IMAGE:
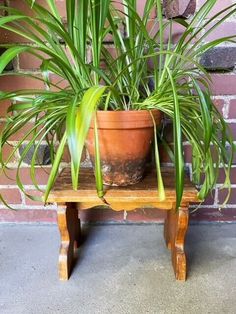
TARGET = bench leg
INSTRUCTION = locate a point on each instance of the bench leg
(176, 226)
(69, 227)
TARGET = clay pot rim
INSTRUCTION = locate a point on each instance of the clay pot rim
(126, 112)
(126, 119)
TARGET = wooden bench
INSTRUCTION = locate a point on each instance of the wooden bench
(141, 195)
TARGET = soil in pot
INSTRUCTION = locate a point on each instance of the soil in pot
(125, 139)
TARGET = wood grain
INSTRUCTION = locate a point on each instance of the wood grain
(145, 192)
(69, 227)
(175, 229)
(141, 195)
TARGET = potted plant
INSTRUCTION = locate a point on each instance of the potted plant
(144, 76)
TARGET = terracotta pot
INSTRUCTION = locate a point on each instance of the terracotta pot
(125, 139)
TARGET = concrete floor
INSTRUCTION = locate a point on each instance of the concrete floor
(121, 269)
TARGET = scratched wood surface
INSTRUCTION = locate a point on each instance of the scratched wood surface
(144, 192)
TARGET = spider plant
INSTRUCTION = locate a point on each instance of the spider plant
(175, 83)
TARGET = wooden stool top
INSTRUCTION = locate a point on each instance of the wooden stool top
(141, 194)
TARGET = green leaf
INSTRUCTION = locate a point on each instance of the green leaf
(9, 55)
(98, 167)
(55, 167)
(178, 145)
(71, 130)
(8, 19)
(53, 8)
(161, 35)
(160, 185)
(70, 11)
(78, 125)
(206, 116)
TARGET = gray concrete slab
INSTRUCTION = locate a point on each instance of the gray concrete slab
(120, 269)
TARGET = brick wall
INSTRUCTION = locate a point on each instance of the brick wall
(220, 62)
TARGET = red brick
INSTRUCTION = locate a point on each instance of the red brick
(146, 215)
(109, 38)
(214, 215)
(177, 32)
(10, 179)
(34, 193)
(61, 6)
(188, 153)
(58, 81)
(66, 156)
(223, 30)
(222, 194)
(223, 84)
(11, 83)
(233, 129)
(210, 199)
(221, 178)
(217, 7)
(176, 8)
(69, 56)
(3, 107)
(219, 104)
(28, 61)
(232, 109)
(23, 7)
(99, 214)
(112, 50)
(140, 9)
(164, 157)
(119, 5)
(7, 150)
(28, 216)
(11, 196)
(21, 132)
(10, 37)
